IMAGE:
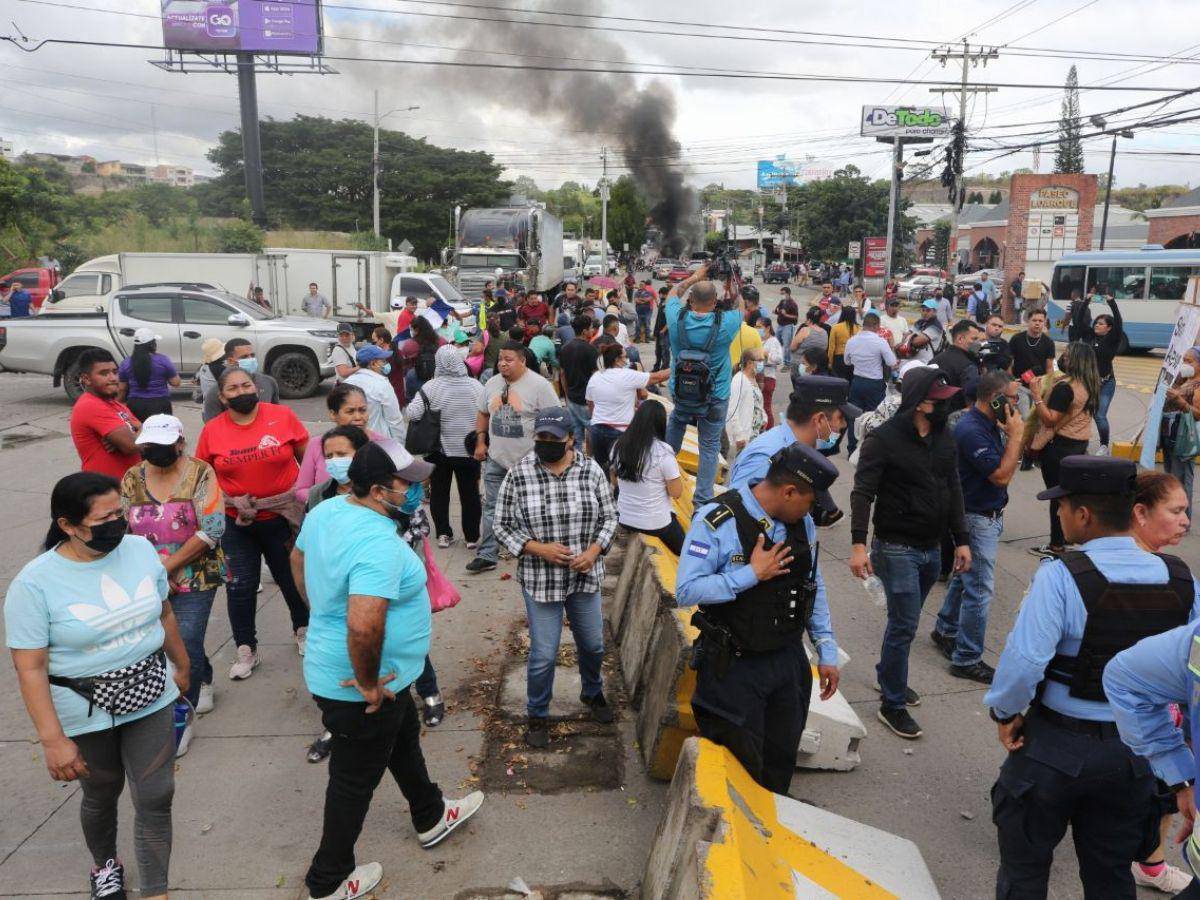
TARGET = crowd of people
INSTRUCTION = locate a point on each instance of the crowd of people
(557, 437)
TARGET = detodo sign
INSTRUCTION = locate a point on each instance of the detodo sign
(902, 117)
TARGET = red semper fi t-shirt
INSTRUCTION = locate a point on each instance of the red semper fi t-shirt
(91, 419)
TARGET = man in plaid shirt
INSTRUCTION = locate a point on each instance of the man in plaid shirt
(555, 511)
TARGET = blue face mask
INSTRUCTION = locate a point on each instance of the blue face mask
(249, 364)
(387, 369)
(412, 498)
(339, 468)
(825, 444)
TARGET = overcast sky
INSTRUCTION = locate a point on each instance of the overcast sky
(110, 103)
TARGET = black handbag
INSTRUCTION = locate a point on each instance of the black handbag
(425, 434)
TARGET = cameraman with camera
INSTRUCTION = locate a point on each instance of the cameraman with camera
(701, 332)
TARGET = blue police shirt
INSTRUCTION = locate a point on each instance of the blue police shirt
(706, 574)
(20, 301)
(1052, 619)
(980, 450)
(697, 329)
(1140, 682)
(753, 462)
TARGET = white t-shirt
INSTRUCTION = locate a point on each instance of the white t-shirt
(897, 325)
(646, 504)
(614, 392)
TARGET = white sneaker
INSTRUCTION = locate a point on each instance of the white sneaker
(472, 545)
(457, 812)
(359, 883)
(301, 637)
(245, 664)
(204, 703)
(1170, 880)
(1103, 450)
(444, 541)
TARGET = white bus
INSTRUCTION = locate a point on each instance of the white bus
(1147, 284)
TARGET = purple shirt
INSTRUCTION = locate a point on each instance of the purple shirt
(162, 370)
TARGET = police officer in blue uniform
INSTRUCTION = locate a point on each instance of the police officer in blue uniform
(818, 414)
(1066, 762)
(750, 563)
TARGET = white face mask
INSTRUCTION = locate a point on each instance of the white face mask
(1187, 370)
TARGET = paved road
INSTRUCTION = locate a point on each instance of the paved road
(247, 805)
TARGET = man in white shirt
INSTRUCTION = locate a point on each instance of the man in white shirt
(342, 354)
(870, 356)
(892, 325)
(315, 303)
(383, 407)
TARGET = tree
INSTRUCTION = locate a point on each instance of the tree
(941, 243)
(996, 196)
(1143, 198)
(627, 212)
(975, 197)
(577, 207)
(1068, 157)
(240, 237)
(34, 211)
(847, 207)
(317, 174)
(526, 187)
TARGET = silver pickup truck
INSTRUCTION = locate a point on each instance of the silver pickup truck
(294, 350)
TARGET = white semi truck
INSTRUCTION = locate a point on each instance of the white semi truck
(525, 243)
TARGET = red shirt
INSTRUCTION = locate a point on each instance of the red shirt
(92, 418)
(534, 312)
(258, 459)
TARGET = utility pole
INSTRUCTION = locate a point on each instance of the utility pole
(893, 206)
(604, 211)
(251, 145)
(375, 159)
(969, 58)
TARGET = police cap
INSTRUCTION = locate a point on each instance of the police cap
(1082, 474)
(806, 463)
(825, 390)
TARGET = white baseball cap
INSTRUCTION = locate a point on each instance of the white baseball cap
(145, 336)
(396, 303)
(160, 429)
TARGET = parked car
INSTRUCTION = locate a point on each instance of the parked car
(970, 278)
(680, 272)
(914, 288)
(662, 268)
(594, 266)
(294, 350)
(776, 273)
(38, 281)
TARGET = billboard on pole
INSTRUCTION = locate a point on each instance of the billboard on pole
(875, 264)
(256, 26)
(905, 121)
(776, 174)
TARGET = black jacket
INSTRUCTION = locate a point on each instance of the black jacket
(962, 370)
(911, 480)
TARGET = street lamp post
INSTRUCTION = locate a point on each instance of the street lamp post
(1100, 123)
(375, 158)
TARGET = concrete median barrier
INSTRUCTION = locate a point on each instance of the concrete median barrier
(648, 600)
(724, 836)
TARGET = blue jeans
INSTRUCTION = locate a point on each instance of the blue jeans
(644, 315)
(1107, 390)
(580, 419)
(603, 437)
(907, 574)
(545, 630)
(866, 394)
(1184, 470)
(964, 612)
(493, 475)
(246, 546)
(709, 422)
(785, 333)
(191, 614)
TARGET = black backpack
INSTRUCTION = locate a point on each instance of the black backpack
(425, 434)
(426, 364)
(693, 375)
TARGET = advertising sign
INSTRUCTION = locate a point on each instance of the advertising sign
(258, 26)
(776, 174)
(855, 250)
(875, 265)
(905, 121)
(1183, 337)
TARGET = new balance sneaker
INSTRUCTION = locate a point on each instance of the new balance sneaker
(1045, 551)
(976, 671)
(601, 711)
(301, 636)
(900, 722)
(480, 564)
(184, 717)
(318, 750)
(1170, 880)
(433, 710)
(108, 881)
(911, 697)
(444, 541)
(245, 664)
(457, 812)
(204, 703)
(359, 883)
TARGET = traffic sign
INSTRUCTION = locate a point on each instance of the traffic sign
(405, 247)
(855, 251)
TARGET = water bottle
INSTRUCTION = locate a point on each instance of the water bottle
(873, 585)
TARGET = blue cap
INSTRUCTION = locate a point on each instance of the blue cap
(552, 421)
(930, 304)
(368, 353)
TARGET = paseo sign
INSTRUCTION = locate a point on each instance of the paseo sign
(1054, 198)
(905, 121)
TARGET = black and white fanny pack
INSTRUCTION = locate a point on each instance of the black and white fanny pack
(122, 691)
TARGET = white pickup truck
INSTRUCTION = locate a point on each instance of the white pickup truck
(294, 350)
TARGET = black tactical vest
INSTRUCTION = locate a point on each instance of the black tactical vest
(772, 614)
(1118, 616)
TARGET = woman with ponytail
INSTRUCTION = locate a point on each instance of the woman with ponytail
(147, 377)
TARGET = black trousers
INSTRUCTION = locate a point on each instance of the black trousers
(672, 535)
(1051, 458)
(464, 470)
(364, 747)
(757, 711)
(1095, 785)
(146, 407)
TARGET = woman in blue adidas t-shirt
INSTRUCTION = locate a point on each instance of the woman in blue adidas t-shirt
(92, 604)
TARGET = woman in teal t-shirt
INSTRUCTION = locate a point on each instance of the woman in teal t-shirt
(92, 605)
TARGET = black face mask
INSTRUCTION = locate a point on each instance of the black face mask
(243, 403)
(107, 536)
(941, 412)
(161, 455)
(550, 451)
